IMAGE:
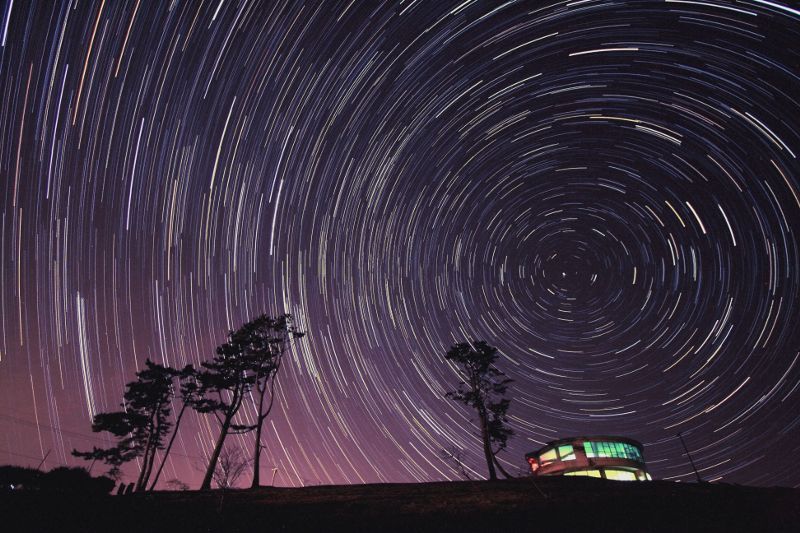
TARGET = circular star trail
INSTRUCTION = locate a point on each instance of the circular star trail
(608, 191)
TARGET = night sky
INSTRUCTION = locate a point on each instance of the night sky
(607, 190)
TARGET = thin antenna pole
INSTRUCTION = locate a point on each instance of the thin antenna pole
(699, 480)
(44, 459)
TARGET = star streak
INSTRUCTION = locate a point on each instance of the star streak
(607, 191)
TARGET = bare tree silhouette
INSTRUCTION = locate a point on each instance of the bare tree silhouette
(455, 456)
(232, 465)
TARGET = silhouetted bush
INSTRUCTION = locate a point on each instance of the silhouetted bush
(177, 484)
(18, 477)
(76, 479)
(61, 479)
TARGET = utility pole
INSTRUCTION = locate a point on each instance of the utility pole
(699, 480)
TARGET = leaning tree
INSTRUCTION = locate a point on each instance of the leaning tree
(268, 339)
(188, 387)
(249, 361)
(224, 382)
(483, 389)
(141, 426)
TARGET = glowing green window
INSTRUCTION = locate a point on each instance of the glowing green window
(605, 450)
(566, 452)
(612, 449)
(635, 453)
(590, 450)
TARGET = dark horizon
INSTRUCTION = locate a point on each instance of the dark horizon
(608, 193)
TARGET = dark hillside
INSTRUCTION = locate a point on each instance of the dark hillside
(515, 505)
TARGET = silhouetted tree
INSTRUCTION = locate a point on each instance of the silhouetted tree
(177, 484)
(189, 388)
(224, 383)
(267, 341)
(231, 466)
(483, 390)
(455, 455)
(249, 361)
(142, 424)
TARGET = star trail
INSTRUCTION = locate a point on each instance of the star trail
(606, 190)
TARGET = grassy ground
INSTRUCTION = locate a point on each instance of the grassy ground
(569, 504)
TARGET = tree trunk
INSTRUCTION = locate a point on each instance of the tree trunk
(257, 454)
(500, 468)
(140, 481)
(487, 446)
(481, 407)
(212, 464)
(169, 446)
(154, 438)
(149, 466)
